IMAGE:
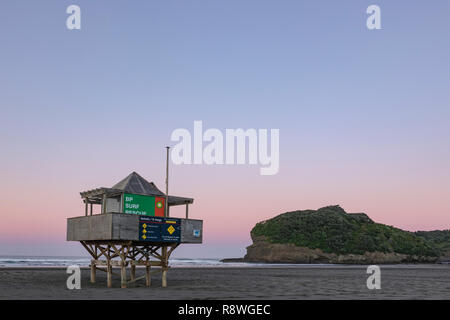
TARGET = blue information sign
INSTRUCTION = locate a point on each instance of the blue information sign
(157, 229)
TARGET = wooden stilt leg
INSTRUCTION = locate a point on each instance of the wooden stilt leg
(132, 271)
(164, 278)
(123, 267)
(109, 273)
(123, 275)
(128, 254)
(92, 271)
(147, 274)
(164, 267)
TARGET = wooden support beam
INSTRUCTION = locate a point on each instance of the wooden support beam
(123, 276)
(135, 279)
(103, 252)
(187, 210)
(123, 266)
(147, 274)
(156, 255)
(117, 263)
(143, 277)
(92, 271)
(93, 250)
(132, 270)
(164, 266)
(128, 254)
(88, 249)
(106, 270)
(164, 278)
(103, 262)
(116, 251)
(109, 274)
(173, 247)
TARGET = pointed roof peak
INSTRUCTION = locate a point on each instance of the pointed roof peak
(134, 183)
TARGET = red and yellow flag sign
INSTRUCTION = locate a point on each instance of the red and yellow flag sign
(159, 206)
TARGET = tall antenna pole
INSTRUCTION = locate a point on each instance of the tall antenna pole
(166, 211)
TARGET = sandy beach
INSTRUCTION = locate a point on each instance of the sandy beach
(280, 282)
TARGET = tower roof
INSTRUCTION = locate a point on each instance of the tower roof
(134, 183)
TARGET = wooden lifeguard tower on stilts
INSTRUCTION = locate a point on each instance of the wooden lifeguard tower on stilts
(133, 229)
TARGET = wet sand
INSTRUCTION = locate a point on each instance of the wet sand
(290, 282)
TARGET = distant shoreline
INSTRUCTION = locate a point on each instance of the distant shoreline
(249, 265)
(242, 260)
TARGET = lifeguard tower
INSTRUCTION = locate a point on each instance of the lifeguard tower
(133, 229)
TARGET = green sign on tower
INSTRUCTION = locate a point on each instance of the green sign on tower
(143, 205)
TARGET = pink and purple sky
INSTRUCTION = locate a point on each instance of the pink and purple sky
(363, 115)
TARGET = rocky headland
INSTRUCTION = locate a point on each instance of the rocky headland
(331, 235)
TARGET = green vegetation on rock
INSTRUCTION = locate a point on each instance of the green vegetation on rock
(333, 230)
(438, 238)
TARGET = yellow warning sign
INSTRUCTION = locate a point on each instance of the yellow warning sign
(171, 229)
(144, 225)
(144, 231)
(144, 237)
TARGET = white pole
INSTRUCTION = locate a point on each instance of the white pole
(166, 211)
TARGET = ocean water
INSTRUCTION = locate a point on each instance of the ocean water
(45, 261)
